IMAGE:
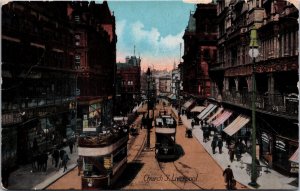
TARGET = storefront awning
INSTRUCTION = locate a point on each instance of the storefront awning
(236, 125)
(295, 157)
(223, 117)
(209, 112)
(215, 115)
(187, 104)
(207, 109)
(172, 96)
(198, 109)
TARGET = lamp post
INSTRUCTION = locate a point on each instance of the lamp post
(253, 53)
(148, 104)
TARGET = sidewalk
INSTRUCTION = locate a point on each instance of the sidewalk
(272, 180)
(24, 179)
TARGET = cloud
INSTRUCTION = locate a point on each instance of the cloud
(197, 1)
(140, 34)
(120, 27)
(295, 2)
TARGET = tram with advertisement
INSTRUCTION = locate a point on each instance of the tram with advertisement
(165, 131)
(104, 155)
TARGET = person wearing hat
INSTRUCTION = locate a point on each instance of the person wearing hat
(228, 175)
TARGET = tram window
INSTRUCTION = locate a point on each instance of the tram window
(120, 155)
(93, 166)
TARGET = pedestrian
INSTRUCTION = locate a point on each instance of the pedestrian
(55, 156)
(231, 154)
(79, 164)
(44, 161)
(61, 154)
(5, 176)
(228, 175)
(193, 123)
(39, 161)
(213, 146)
(65, 161)
(204, 135)
(71, 144)
(220, 145)
(228, 141)
(201, 123)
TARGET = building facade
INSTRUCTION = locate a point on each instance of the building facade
(129, 83)
(66, 55)
(95, 60)
(200, 40)
(39, 77)
(275, 70)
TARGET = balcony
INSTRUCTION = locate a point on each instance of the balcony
(106, 138)
(274, 103)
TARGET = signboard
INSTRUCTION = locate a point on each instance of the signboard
(294, 167)
(107, 163)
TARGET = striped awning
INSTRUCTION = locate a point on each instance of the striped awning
(205, 111)
(222, 118)
(215, 114)
(188, 104)
(172, 96)
(209, 112)
(198, 109)
(236, 125)
(295, 157)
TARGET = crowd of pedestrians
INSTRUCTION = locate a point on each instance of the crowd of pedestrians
(59, 157)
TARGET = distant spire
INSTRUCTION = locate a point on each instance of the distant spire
(134, 50)
(174, 65)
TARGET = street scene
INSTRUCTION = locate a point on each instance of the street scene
(189, 94)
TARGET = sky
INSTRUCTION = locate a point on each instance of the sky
(155, 28)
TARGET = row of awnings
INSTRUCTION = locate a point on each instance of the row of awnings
(219, 117)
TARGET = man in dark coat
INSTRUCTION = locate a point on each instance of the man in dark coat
(61, 155)
(71, 144)
(228, 175)
(214, 145)
(220, 145)
(55, 156)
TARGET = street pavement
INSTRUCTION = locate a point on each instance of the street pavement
(267, 180)
(24, 178)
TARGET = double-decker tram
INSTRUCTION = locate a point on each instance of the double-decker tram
(165, 131)
(104, 156)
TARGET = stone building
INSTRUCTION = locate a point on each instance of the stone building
(38, 73)
(53, 53)
(275, 69)
(95, 59)
(200, 40)
(129, 83)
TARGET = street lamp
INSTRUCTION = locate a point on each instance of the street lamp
(148, 104)
(253, 53)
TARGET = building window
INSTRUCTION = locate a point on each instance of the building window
(77, 60)
(77, 39)
(77, 18)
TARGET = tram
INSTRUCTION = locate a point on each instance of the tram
(104, 156)
(165, 131)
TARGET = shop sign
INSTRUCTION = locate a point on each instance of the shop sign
(107, 163)
(294, 167)
(85, 125)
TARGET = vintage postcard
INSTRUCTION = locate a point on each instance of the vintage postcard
(186, 94)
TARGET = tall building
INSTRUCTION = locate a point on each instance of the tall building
(200, 40)
(95, 58)
(276, 72)
(54, 53)
(129, 84)
(39, 77)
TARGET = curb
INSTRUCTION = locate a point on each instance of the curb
(54, 178)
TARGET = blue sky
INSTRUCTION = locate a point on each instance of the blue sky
(154, 27)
